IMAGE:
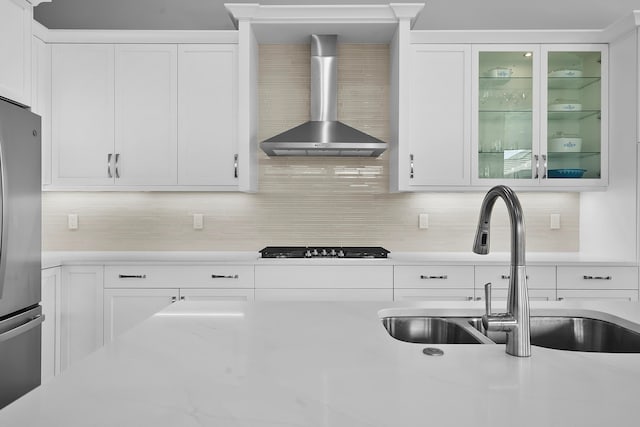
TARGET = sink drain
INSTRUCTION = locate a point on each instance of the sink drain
(432, 351)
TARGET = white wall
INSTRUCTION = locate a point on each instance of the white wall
(608, 219)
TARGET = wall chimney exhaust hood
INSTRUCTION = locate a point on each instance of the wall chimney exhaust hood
(324, 135)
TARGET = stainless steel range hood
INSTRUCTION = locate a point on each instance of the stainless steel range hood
(323, 135)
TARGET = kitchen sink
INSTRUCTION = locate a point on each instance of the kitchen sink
(572, 333)
(433, 330)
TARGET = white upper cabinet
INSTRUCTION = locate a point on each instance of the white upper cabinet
(439, 117)
(149, 116)
(540, 116)
(208, 115)
(82, 106)
(15, 50)
(146, 136)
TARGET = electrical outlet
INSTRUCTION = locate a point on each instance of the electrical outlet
(72, 221)
(198, 221)
(554, 221)
(423, 221)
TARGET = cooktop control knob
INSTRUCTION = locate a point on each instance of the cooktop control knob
(315, 252)
(340, 253)
(307, 254)
(333, 252)
(324, 252)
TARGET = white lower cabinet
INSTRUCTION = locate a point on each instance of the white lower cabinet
(324, 282)
(135, 292)
(541, 282)
(598, 283)
(80, 309)
(433, 283)
(50, 291)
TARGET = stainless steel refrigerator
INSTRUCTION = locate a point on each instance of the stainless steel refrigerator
(20, 251)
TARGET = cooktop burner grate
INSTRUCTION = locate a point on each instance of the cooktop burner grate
(324, 252)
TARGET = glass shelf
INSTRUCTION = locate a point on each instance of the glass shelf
(572, 115)
(501, 82)
(571, 82)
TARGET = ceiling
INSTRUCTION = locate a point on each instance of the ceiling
(437, 14)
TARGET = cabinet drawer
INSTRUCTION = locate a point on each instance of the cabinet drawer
(324, 294)
(538, 277)
(341, 277)
(155, 276)
(598, 278)
(433, 294)
(433, 277)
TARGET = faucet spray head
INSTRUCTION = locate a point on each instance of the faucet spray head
(481, 242)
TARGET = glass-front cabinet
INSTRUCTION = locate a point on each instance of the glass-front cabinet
(539, 115)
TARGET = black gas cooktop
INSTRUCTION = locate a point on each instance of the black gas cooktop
(323, 252)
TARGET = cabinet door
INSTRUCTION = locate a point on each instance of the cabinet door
(196, 294)
(80, 313)
(207, 115)
(82, 99)
(439, 132)
(125, 308)
(506, 121)
(51, 288)
(146, 114)
(41, 99)
(597, 295)
(574, 140)
(15, 50)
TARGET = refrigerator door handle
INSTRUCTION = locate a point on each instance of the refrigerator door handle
(3, 216)
(32, 323)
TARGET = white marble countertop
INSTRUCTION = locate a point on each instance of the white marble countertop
(283, 364)
(53, 259)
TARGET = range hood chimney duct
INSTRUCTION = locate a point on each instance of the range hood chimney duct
(323, 135)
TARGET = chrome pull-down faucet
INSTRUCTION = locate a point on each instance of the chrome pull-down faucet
(515, 322)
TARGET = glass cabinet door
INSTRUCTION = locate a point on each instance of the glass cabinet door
(506, 104)
(574, 132)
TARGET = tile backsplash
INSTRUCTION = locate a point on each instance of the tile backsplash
(305, 201)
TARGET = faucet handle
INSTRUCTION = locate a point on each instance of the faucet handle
(487, 298)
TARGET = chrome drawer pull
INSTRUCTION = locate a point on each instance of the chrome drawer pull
(235, 165)
(218, 276)
(597, 277)
(443, 277)
(132, 276)
(507, 276)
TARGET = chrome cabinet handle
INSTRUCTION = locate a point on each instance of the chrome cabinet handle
(235, 165)
(469, 298)
(219, 276)
(132, 276)
(411, 166)
(117, 165)
(508, 276)
(597, 277)
(443, 277)
(544, 163)
(537, 160)
(109, 156)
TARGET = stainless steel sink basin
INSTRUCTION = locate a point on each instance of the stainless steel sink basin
(574, 334)
(432, 330)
